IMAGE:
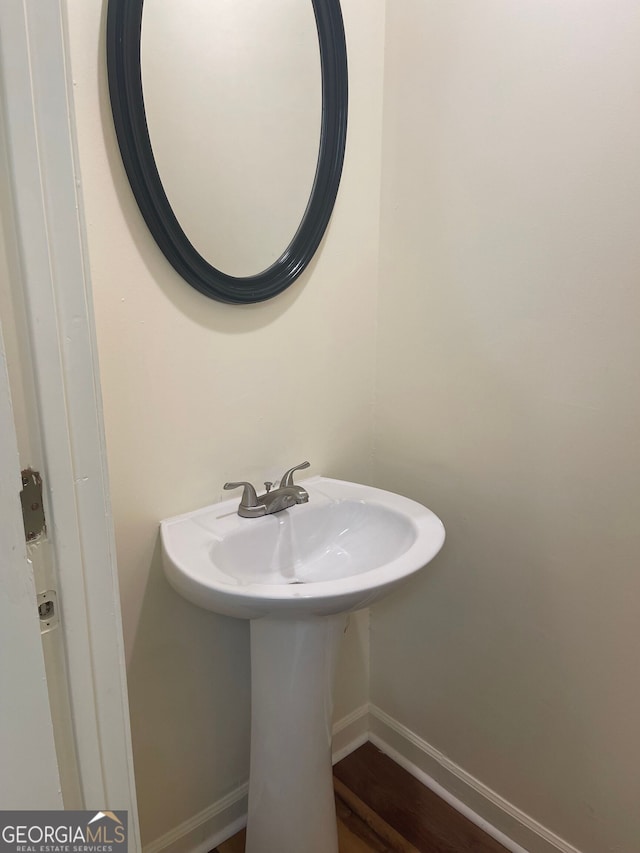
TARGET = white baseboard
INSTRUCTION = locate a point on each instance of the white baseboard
(350, 732)
(512, 828)
(224, 818)
(507, 824)
(208, 828)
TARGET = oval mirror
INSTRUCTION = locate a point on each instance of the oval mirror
(231, 121)
(236, 148)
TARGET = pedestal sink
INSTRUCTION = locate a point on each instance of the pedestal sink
(295, 574)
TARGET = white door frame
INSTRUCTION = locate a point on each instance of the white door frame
(57, 294)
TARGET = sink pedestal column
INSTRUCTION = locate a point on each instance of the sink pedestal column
(291, 804)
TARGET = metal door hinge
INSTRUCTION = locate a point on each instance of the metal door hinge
(32, 507)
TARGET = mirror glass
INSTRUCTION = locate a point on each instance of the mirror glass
(233, 99)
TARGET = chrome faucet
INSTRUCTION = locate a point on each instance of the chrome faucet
(286, 495)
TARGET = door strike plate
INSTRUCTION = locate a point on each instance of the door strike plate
(48, 610)
(32, 507)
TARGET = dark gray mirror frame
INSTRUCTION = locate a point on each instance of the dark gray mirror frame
(124, 26)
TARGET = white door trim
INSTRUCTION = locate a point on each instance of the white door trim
(57, 295)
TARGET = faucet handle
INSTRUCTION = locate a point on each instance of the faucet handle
(287, 478)
(249, 496)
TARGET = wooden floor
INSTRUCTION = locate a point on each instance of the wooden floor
(381, 807)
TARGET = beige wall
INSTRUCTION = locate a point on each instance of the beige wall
(509, 400)
(197, 393)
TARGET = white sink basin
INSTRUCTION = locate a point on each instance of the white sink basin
(341, 551)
